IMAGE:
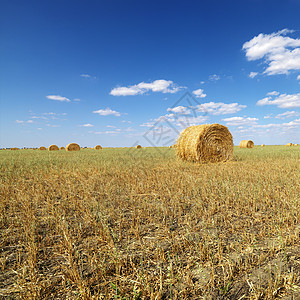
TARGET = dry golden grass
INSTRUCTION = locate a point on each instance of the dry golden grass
(205, 143)
(144, 225)
(246, 144)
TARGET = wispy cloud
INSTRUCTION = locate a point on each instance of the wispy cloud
(239, 121)
(281, 101)
(214, 77)
(85, 75)
(253, 74)
(220, 108)
(288, 114)
(106, 112)
(163, 86)
(281, 53)
(58, 98)
(23, 122)
(86, 125)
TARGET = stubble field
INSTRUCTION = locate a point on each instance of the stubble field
(139, 224)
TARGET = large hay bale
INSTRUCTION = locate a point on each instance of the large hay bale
(72, 147)
(98, 147)
(42, 148)
(205, 143)
(138, 147)
(289, 144)
(53, 148)
(62, 148)
(246, 144)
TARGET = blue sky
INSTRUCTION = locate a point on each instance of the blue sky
(113, 72)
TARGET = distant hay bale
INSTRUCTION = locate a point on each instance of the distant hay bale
(138, 147)
(98, 147)
(246, 144)
(296, 144)
(289, 144)
(205, 143)
(42, 148)
(62, 148)
(53, 148)
(263, 145)
(14, 148)
(72, 147)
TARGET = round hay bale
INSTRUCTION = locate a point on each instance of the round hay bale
(205, 143)
(98, 147)
(138, 147)
(42, 148)
(296, 145)
(62, 148)
(246, 144)
(14, 148)
(53, 148)
(72, 147)
(263, 145)
(289, 144)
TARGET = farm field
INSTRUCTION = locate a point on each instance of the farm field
(140, 224)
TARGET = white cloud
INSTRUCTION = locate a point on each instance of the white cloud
(274, 93)
(85, 75)
(282, 101)
(280, 53)
(86, 125)
(239, 121)
(219, 108)
(298, 77)
(163, 86)
(58, 98)
(110, 126)
(183, 110)
(22, 122)
(106, 112)
(288, 114)
(50, 125)
(253, 74)
(199, 93)
(294, 123)
(76, 99)
(214, 77)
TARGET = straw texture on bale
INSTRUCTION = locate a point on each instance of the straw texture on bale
(72, 147)
(205, 143)
(98, 147)
(246, 144)
(138, 147)
(42, 148)
(289, 144)
(53, 148)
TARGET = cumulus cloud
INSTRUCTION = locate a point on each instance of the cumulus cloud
(58, 98)
(163, 86)
(183, 110)
(106, 112)
(239, 121)
(199, 93)
(280, 52)
(220, 108)
(281, 101)
(253, 74)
